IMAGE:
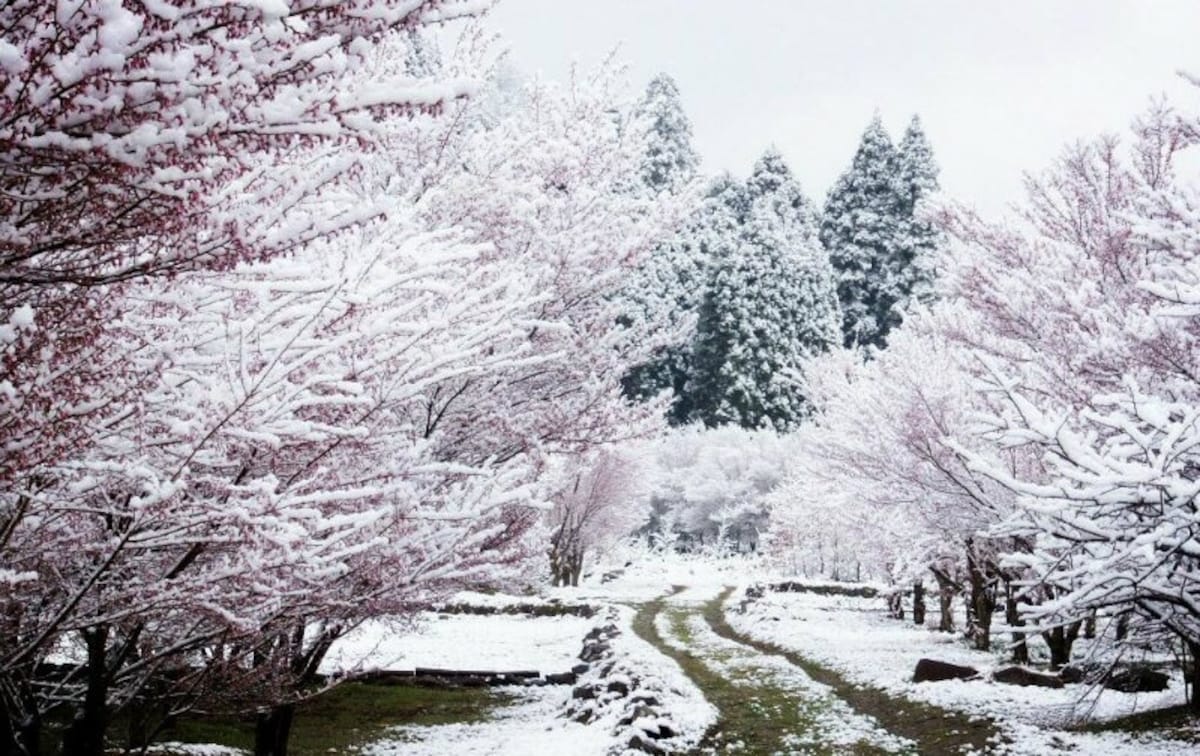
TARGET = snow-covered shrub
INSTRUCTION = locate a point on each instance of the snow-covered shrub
(708, 486)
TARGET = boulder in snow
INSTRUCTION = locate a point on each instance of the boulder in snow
(932, 670)
(1137, 680)
(1027, 677)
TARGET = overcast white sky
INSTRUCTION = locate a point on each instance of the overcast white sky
(1000, 86)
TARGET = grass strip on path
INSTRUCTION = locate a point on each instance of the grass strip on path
(936, 731)
(765, 707)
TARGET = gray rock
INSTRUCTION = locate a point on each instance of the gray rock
(932, 670)
(638, 743)
(1026, 677)
(618, 687)
(1137, 680)
(583, 693)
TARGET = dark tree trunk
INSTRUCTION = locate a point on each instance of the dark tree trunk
(271, 731)
(560, 567)
(1060, 640)
(946, 590)
(1012, 616)
(85, 735)
(273, 727)
(575, 569)
(1192, 676)
(8, 733)
(982, 603)
(138, 736)
(20, 724)
(15, 733)
(1122, 625)
(1089, 626)
(918, 604)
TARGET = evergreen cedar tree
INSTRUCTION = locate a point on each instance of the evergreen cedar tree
(878, 244)
(746, 312)
(769, 305)
(669, 281)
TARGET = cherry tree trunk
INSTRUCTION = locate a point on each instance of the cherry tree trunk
(1122, 626)
(272, 729)
(85, 735)
(981, 604)
(1060, 640)
(1012, 617)
(918, 603)
(1192, 676)
(575, 569)
(946, 591)
(565, 570)
(556, 572)
(148, 715)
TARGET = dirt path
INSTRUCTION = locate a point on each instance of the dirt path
(777, 702)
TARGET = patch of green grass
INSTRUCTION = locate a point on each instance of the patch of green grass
(1178, 722)
(349, 716)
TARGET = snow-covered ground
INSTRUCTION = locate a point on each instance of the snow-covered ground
(851, 635)
(856, 637)
(499, 642)
(534, 723)
(192, 749)
(645, 576)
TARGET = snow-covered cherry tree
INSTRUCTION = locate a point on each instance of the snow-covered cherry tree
(142, 140)
(129, 127)
(599, 499)
(276, 476)
(156, 138)
(879, 453)
(354, 428)
(556, 184)
(1098, 382)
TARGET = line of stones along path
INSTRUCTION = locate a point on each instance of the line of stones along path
(772, 701)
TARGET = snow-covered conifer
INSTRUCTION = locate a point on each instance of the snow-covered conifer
(858, 228)
(770, 304)
(917, 166)
(877, 242)
(670, 280)
(911, 269)
(671, 161)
